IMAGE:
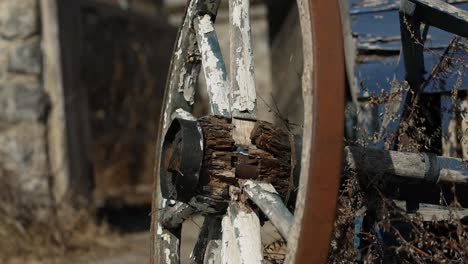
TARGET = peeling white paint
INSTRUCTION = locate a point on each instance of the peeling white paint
(264, 186)
(246, 226)
(181, 113)
(205, 25)
(213, 66)
(201, 133)
(167, 254)
(242, 67)
(159, 229)
(229, 249)
(267, 199)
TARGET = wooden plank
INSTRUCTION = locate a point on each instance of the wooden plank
(53, 83)
(430, 212)
(213, 66)
(267, 199)
(242, 67)
(442, 15)
(411, 45)
(403, 164)
(67, 122)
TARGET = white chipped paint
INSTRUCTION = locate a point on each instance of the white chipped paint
(205, 25)
(201, 133)
(264, 186)
(307, 51)
(267, 199)
(181, 113)
(167, 112)
(189, 89)
(159, 229)
(167, 255)
(242, 67)
(213, 254)
(214, 69)
(229, 248)
(246, 226)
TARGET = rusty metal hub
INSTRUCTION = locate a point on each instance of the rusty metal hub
(181, 161)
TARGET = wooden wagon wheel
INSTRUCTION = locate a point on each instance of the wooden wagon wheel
(213, 165)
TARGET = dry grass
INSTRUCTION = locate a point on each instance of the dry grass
(389, 235)
(24, 238)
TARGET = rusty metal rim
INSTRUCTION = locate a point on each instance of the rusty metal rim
(326, 141)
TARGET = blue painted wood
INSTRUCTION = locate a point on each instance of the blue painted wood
(373, 75)
(376, 31)
(380, 31)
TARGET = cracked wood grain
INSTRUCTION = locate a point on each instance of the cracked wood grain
(242, 67)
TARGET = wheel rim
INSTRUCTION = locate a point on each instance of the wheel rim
(323, 86)
(326, 114)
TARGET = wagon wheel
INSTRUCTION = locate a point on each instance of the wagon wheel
(230, 200)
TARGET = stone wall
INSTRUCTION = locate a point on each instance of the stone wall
(23, 106)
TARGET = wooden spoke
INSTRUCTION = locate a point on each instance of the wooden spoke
(242, 66)
(179, 94)
(241, 242)
(229, 248)
(206, 249)
(167, 241)
(267, 199)
(173, 216)
(213, 248)
(213, 66)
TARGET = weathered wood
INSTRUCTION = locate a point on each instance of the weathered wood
(430, 212)
(464, 127)
(242, 68)
(67, 121)
(272, 139)
(213, 248)
(448, 126)
(403, 164)
(180, 91)
(267, 199)
(246, 229)
(242, 131)
(218, 171)
(213, 66)
(173, 216)
(166, 241)
(230, 156)
(274, 156)
(209, 230)
(442, 15)
(349, 49)
(411, 41)
(229, 248)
